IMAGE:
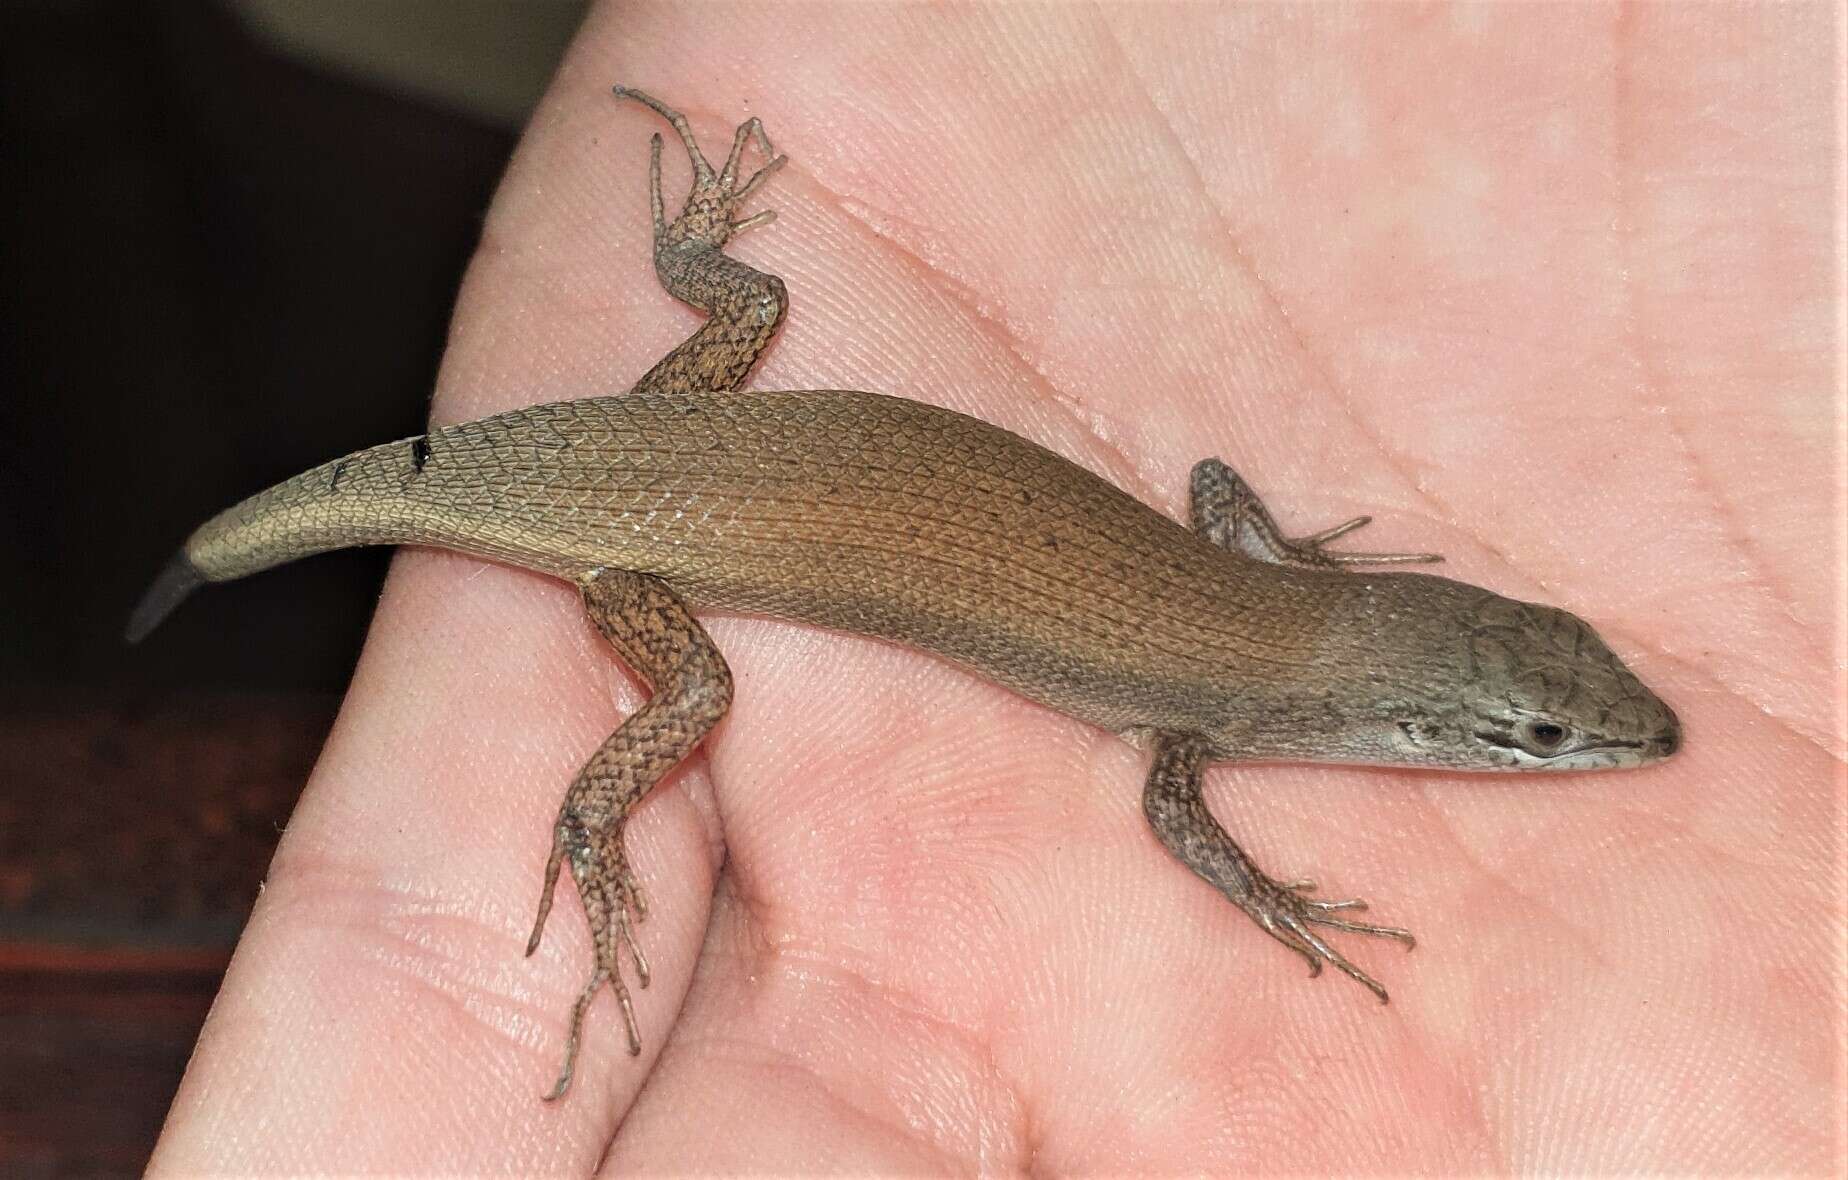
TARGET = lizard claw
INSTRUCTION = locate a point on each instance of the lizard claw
(706, 215)
(1288, 916)
(1228, 513)
(1313, 549)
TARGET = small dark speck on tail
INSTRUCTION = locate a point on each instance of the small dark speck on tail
(176, 581)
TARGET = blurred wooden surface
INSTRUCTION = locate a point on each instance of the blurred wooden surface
(221, 266)
(91, 1048)
(125, 876)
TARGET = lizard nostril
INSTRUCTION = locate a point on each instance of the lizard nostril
(1667, 739)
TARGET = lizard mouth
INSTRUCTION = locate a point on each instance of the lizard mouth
(1578, 755)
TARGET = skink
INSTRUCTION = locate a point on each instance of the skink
(1222, 640)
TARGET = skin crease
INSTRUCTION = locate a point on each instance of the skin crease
(1545, 289)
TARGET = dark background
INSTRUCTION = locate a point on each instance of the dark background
(230, 250)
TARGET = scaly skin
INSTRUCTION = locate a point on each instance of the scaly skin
(909, 523)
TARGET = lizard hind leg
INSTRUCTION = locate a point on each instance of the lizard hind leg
(745, 305)
(654, 633)
(1229, 514)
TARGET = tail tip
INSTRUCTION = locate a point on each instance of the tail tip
(179, 578)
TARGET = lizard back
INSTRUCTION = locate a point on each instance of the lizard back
(848, 510)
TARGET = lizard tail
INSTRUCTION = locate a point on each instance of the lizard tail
(177, 579)
(344, 503)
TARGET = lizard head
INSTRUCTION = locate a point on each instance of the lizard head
(1534, 688)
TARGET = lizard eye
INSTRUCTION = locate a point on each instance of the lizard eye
(1544, 735)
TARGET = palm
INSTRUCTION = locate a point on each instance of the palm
(1571, 334)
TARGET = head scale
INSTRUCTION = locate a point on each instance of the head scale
(1535, 689)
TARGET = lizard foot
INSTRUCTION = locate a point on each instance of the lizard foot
(706, 217)
(615, 904)
(1229, 514)
(1287, 913)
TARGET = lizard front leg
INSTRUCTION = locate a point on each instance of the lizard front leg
(1230, 515)
(654, 633)
(1176, 810)
(746, 306)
